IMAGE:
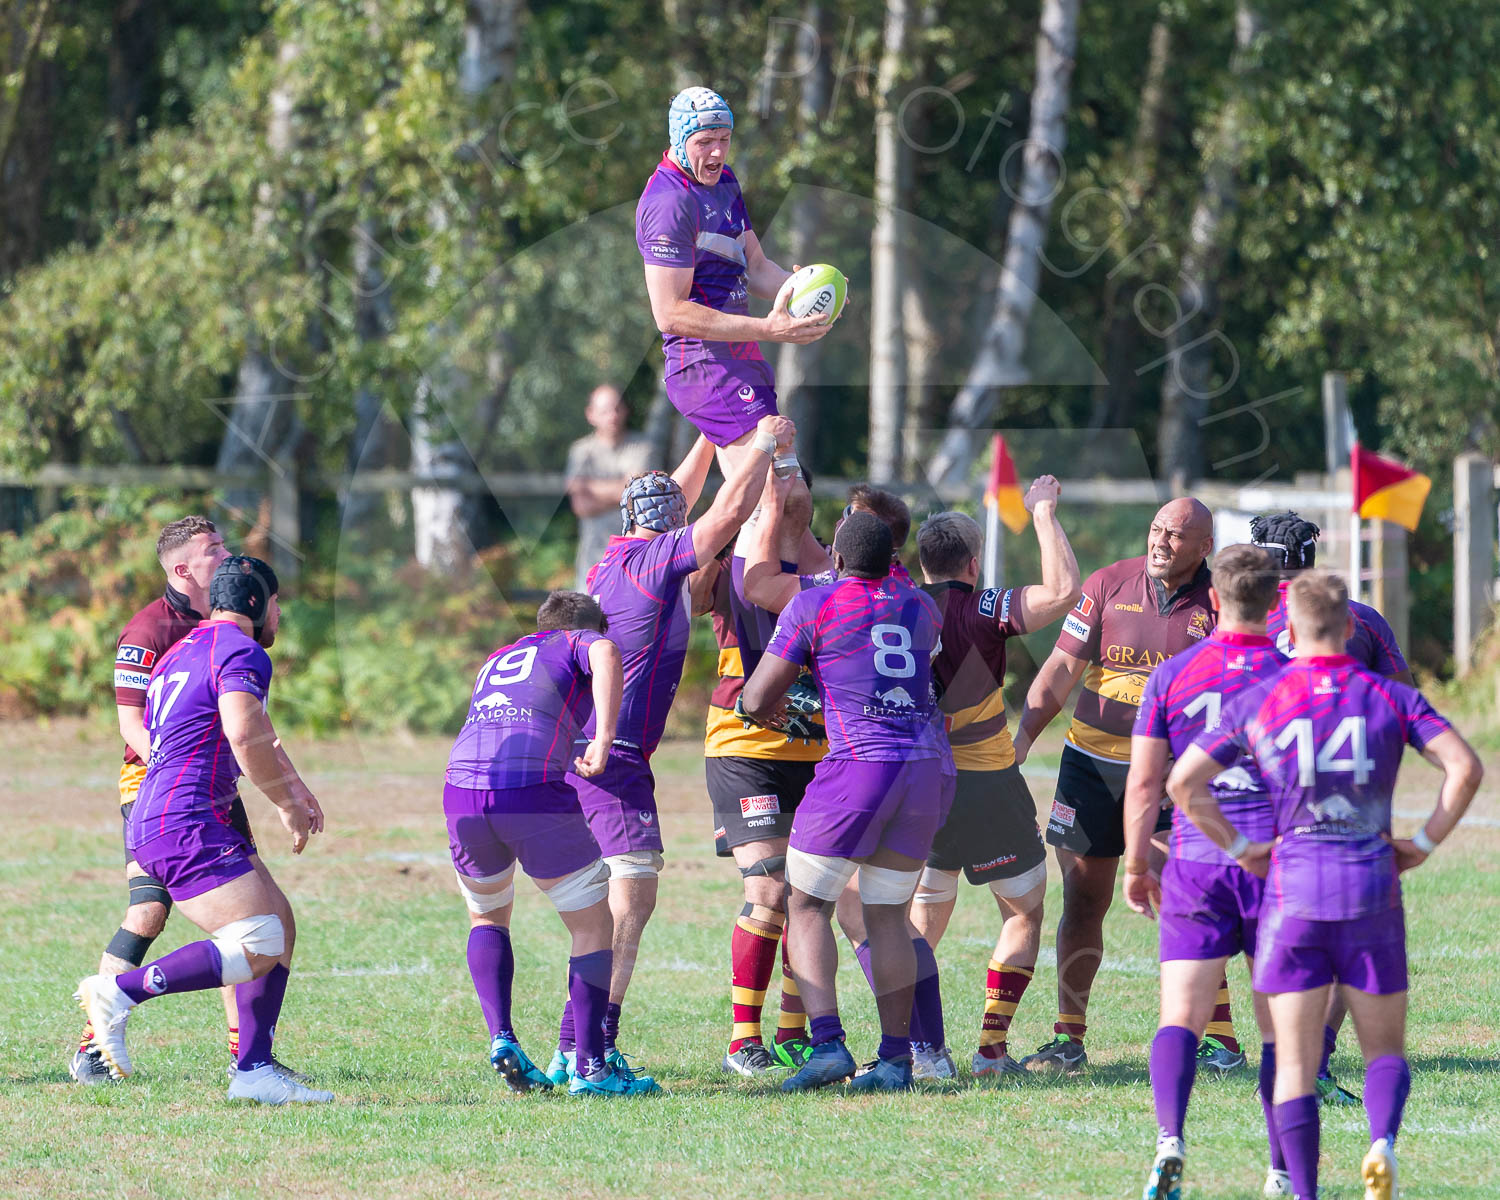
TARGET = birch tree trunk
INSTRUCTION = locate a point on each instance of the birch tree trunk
(999, 361)
(261, 426)
(796, 366)
(1114, 396)
(892, 186)
(1187, 384)
(443, 518)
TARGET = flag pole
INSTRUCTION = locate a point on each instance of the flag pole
(1356, 560)
(994, 547)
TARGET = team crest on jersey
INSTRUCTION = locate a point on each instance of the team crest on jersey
(747, 393)
(135, 656)
(759, 806)
(647, 818)
(1198, 626)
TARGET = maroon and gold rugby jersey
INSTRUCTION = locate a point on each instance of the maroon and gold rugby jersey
(1126, 623)
(970, 670)
(742, 631)
(146, 637)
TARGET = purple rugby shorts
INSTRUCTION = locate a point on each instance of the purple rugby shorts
(724, 400)
(620, 803)
(1366, 953)
(1208, 910)
(851, 809)
(195, 859)
(540, 826)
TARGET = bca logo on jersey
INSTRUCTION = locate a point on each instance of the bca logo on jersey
(993, 599)
(135, 656)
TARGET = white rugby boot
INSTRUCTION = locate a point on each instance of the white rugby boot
(108, 1008)
(265, 1085)
(1378, 1171)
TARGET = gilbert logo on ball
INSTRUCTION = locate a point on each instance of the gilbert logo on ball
(817, 290)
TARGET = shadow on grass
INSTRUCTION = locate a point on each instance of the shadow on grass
(1454, 1063)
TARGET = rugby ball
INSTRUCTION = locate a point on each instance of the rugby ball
(816, 290)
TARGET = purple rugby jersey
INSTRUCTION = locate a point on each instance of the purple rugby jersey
(1328, 736)
(529, 701)
(1184, 697)
(192, 773)
(682, 223)
(641, 583)
(869, 644)
(1373, 645)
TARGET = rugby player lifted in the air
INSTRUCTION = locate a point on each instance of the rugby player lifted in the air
(703, 263)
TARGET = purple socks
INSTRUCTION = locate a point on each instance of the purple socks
(1174, 1064)
(492, 966)
(588, 998)
(927, 1000)
(825, 1029)
(1387, 1083)
(1267, 1090)
(191, 968)
(1330, 1040)
(259, 1006)
(1297, 1127)
(611, 1024)
(894, 1047)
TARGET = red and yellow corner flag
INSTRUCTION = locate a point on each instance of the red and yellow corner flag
(1386, 490)
(1003, 492)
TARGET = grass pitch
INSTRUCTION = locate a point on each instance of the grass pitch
(381, 1011)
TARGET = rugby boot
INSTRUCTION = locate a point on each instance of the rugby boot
(983, 1065)
(1166, 1171)
(933, 1064)
(829, 1062)
(612, 1083)
(560, 1069)
(1061, 1056)
(1378, 1171)
(885, 1075)
(1278, 1183)
(279, 1067)
(618, 1062)
(87, 1067)
(512, 1065)
(108, 1008)
(264, 1086)
(791, 1053)
(749, 1060)
(1214, 1055)
(1331, 1095)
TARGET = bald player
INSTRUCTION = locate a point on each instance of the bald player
(1133, 614)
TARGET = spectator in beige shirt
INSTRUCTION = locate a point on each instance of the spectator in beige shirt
(599, 467)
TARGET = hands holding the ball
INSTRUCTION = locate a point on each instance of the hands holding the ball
(782, 326)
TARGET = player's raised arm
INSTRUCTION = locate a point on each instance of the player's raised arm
(1045, 698)
(766, 585)
(608, 679)
(692, 471)
(1062, 582)
(253, 741)
(735, 501)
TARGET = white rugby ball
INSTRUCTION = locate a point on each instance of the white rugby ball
(817, 290)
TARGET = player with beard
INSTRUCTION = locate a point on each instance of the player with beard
(206, 718)
(189, 551)
(1328, 737)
